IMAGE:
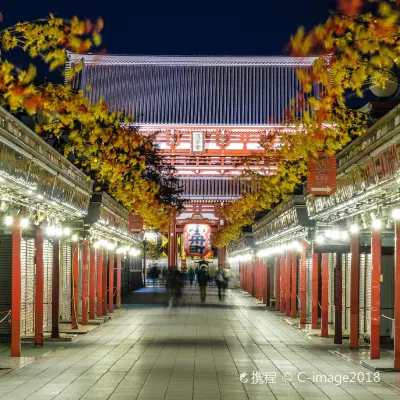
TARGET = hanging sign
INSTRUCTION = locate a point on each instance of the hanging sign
(197, 142)
(321, 180)
(197, 239)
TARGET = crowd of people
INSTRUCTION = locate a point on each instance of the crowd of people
(201, 275)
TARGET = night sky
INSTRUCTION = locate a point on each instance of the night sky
(184, 27)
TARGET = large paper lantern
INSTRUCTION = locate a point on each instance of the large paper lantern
(197, 239)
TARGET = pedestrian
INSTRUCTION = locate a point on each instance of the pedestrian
(191, 275)
(202, 279)
(220, 281)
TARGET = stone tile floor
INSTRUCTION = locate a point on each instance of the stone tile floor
(229, 349)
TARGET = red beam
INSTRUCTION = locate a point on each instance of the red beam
(16, 288)
(287, 270)
(303, 288)
(118, 301)
(397, 300)
(75, 285)
(277, 284)
(100, 282)
(39, 287)
(85, 283)
(376, 255)
(354, 290)
(111, 283)
(294, 285)
(314, 290)
(282, 285)
(324, 300)
(92, 291)
(104, 291)
(338, 300)
(55, 290)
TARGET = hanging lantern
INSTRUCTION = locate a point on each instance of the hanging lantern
(197, 239)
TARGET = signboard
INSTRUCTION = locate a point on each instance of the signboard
(197, 142)
(321, 179)
(197, 239)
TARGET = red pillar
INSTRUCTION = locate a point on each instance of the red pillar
(99, 282)
(92, 290)
(303, 288)
(267, 281)
(324, 300)
(16, 288)
(118, 301)
(85, 283)
(282, 285)
(111, 283)
(375, 351)
(314, 289)
(277, 284)
(287, 279)
(294, 285)
(75, 285)
(104, 291)
(39, 287)
(354, 289)
(397, 300)
(338, 300)
(55, 290)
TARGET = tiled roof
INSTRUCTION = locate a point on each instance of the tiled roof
(194, 90)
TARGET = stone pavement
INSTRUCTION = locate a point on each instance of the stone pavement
(229, 349)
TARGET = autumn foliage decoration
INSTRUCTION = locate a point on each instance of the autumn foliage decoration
(116, 156)
(353, 51)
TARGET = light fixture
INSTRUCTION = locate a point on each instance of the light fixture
(354, 228)
(50, 230)
(377, 224)
(97, 244)
(396, 214)
(74, 237)
(319, 239)
(8, 220)
(121, 250)
(24, 223)
(344, 235)
(335, 234)
(58, 231)
(299, 248)
(67, 231)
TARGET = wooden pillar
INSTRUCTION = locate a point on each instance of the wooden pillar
(338, 300)
(324, 300)
(397, 299)
(111, 282)
(92, 290)
(85, 283)
(16, 288)
(99, 282)
(118, 298)
(354, 289)
(303, 287)
(267, 281)
(314, 290)
(39, 286)
(55, 290)
(104, 291)
(287, 282)
(282, 285)
(75, 285)
(277, 284)
(376, 254)
(294, 285)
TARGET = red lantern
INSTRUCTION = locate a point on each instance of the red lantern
(197, 239)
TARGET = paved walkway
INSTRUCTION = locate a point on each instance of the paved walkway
(230, 349)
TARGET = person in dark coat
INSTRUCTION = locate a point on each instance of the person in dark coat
(202, 279)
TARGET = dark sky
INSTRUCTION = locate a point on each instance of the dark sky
(187, 27)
